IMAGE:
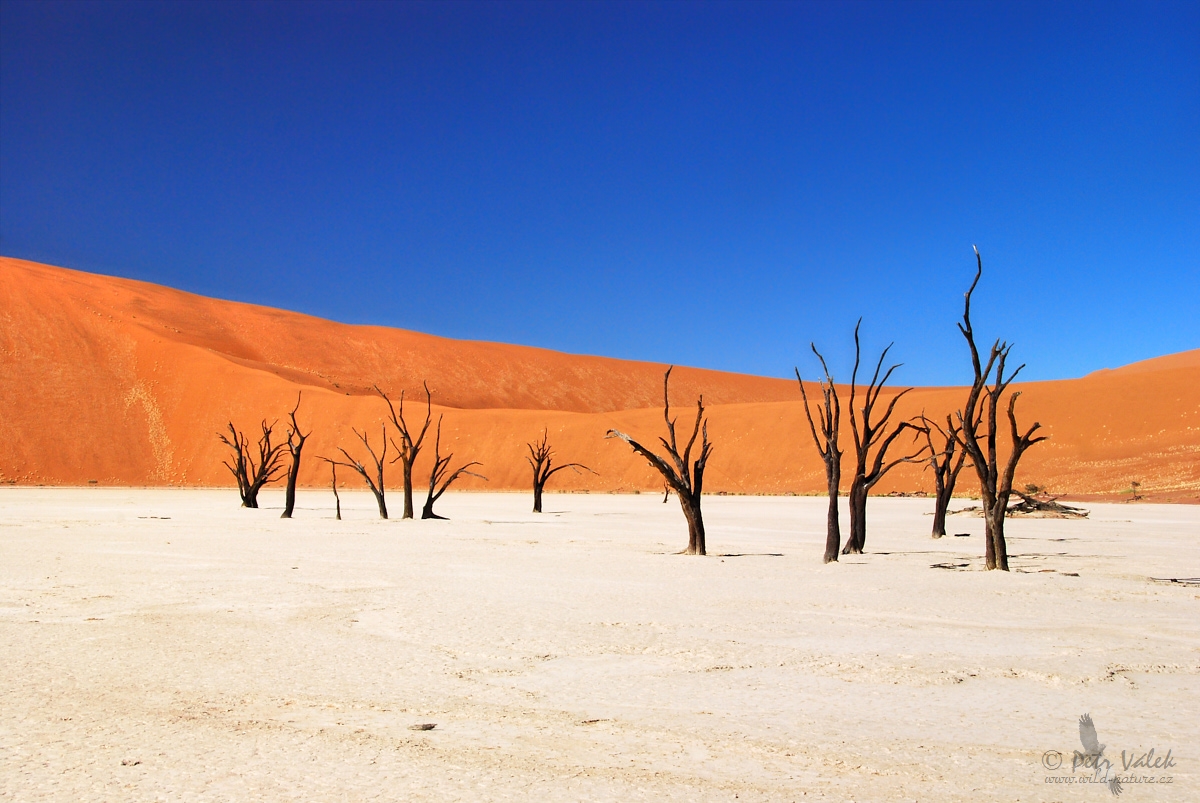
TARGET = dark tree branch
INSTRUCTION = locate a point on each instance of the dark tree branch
(871, 433)
(374, 483)
(333, 484)
(295, 445)
(686, 480)
(408, 448)
(440, 478)
(946, 461)
(827, 446)
(982, 405)
(541, 459)
(252, 476)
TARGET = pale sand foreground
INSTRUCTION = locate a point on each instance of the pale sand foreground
(167, 645)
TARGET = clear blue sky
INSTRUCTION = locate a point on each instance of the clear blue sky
(708, 184)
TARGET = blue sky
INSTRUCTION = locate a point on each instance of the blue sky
(707, 184)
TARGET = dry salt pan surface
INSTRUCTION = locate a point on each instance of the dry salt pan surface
(167, 645)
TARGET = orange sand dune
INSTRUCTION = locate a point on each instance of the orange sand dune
(123, 382)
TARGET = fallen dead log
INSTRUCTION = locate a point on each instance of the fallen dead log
(1031, 507)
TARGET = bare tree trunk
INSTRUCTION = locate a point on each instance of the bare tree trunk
(537, 498)
(827, 446)
(945, 492)
(406, 470)
(996, 550)
(942, 496)
(295, 444)
(858, 518)
(695, 522)
(1001, 546)
(381, 503)
(683, 476)
(995, 509)
(833, 532)
(336, 499)
(289, 495)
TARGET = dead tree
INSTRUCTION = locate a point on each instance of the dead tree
(541, 458)
(251, 476)
(440, 477)
(1047, 508)
(947, 461)
(337, 500)
(686, 480)
(827, 447)
(295, 445)
(868, 469)
(374, 483)
(983, 402)
(408, 447)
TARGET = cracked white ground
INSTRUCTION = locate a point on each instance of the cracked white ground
(168, 645)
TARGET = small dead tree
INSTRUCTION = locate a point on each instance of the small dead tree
(870, 470)
(337, 500)
(541, 460)
(251, 476)
(374, 483)
(946, 460)
(984, 402)
(440, 477)
(683, 477)
(295, 445)
(827, 447)
(408, 447)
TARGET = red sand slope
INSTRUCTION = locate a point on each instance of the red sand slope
(124, 382)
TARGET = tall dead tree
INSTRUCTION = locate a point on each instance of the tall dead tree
(295, 445)
(827, 446)
(374, 483)
(440, 477)
(995, 485)
(946, 460)
(408, 447)
(868, 433)
(684, 477)
(252, 475)
(541, 460)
